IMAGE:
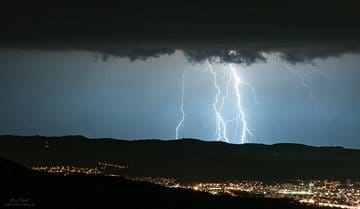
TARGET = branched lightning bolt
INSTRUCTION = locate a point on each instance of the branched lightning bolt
(220, 123)
(231, 81)
(181, 122)
(218, 105)
(241, 115)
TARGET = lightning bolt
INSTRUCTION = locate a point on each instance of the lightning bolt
(181, 122)
(245, 131)
(220, 123)
(227, 88)
(252, 90)
(232, 84)
(301, 77)
(232, 79)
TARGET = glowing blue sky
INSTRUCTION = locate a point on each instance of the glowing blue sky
(67, 93)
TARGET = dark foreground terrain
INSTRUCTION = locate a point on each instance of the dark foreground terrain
(25, 188)
(187, 160)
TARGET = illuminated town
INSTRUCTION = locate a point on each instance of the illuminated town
(321, 193)
(315, 192)
(68, 170)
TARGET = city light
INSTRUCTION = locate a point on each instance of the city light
(329, 193)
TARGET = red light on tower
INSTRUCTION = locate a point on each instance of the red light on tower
(46, 145)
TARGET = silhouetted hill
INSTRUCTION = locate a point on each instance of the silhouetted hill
(28, 188)
(188, 160)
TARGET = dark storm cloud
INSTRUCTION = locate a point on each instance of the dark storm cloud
(299, 31)
(243, 56)
(290, 52)
(225, 55)
(245, 53)
(135, 54)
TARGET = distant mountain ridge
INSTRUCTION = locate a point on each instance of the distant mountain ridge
(79, 137)
(188, 160)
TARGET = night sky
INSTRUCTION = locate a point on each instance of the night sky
(56, 93)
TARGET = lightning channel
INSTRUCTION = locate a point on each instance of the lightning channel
(221, 128)
(181, 122)
(231, 83)
(241, 117)
(252, 90)
(302, 80)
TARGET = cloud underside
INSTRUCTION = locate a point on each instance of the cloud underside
(245, 54)
(242, 51)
